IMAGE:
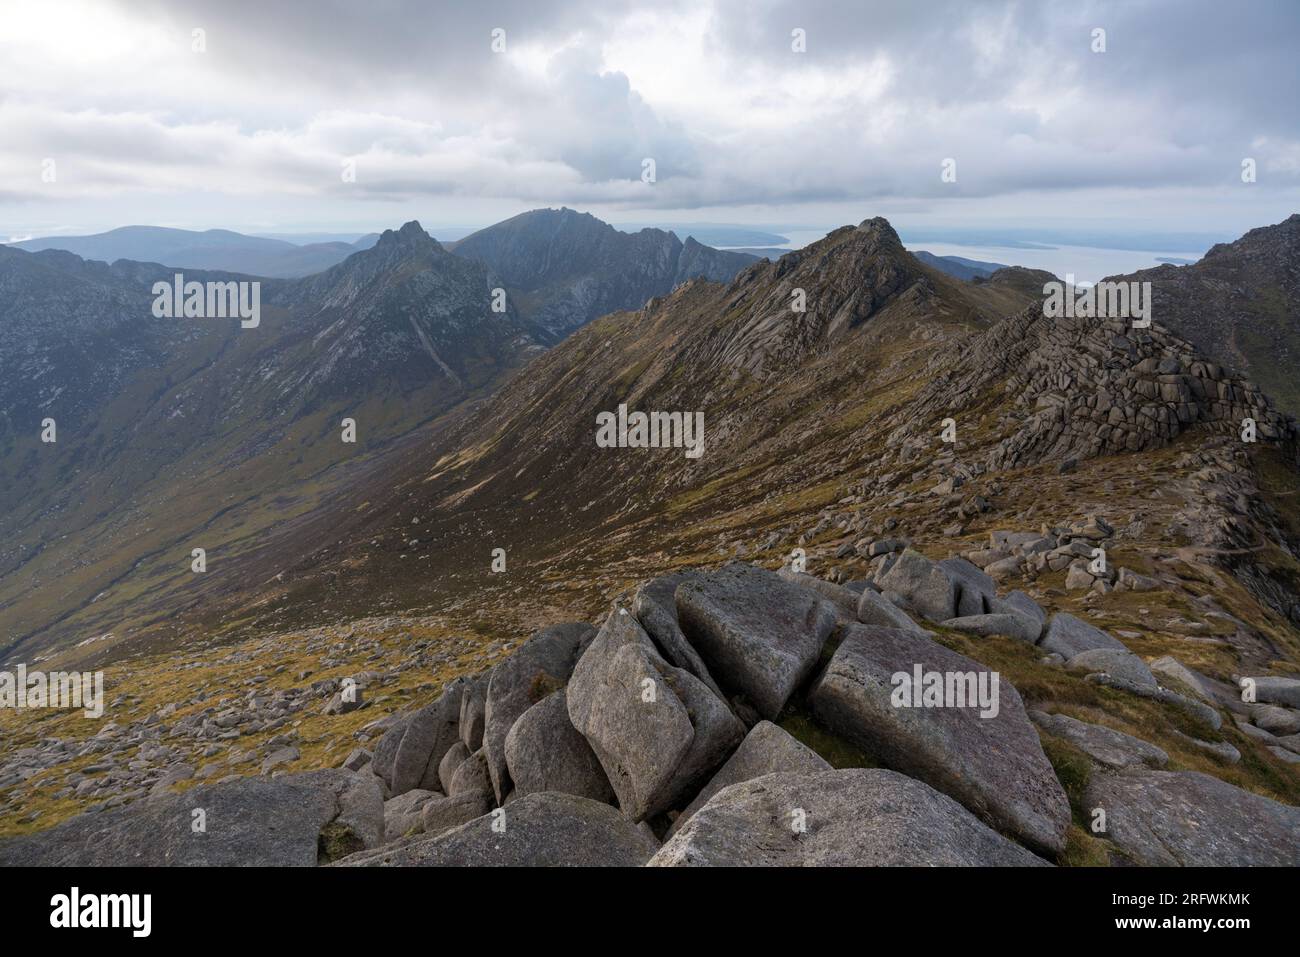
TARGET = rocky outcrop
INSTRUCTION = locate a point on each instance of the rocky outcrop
(852, 818)
(1093, 387)
(610, 738)
(759, 634)
(293, 821)
(988, 758)
(540, 666)
(538, 830)
(767, 749)
(1186, 818)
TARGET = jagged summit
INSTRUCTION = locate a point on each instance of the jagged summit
(565, 268)
(411, 235)
(879, 226)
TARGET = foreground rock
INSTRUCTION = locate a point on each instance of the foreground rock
(537, 830)
(657, 730)
(1279, 691)
(545, 752)
(1069, 636)
(924, 587)
(765, 750)
(759, 634)
(856, 817)
(1166, 818)
(993, 764)
(541, 665)
(1114, 749)
(295, 820)
(423, 741)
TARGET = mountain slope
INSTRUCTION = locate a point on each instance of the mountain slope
(779, 391)
(177, 433)
(1241, 304)
(565, 268)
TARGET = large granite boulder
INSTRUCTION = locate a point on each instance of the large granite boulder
(657, 730)
(924, 586)
(655, 607)
(1114, 662)
(985, 754)
(766, 749)
(857, 817)
(1167, 818)
(1106, 746)
(546, 829)
(441, 814)
(545, 752)
(429, 734)
(1270, 689)
(1068, 636)
(473, 708)
(450, 763)
(974, 587)
(875, 609)
(295, 820)
(760, 635)
(1010, 624)
(541, 665)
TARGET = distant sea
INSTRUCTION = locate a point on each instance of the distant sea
(1087, 263)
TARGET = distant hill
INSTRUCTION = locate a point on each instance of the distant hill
(959, 267)
(216, 249)
(714, 234)
(563, 268)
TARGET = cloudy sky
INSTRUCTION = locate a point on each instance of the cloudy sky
(252, 122)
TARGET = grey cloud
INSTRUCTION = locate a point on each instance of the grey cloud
(411, 90)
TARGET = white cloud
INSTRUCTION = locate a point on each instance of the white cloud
(734, 118)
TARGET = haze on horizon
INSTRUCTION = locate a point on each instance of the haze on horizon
(251, 122)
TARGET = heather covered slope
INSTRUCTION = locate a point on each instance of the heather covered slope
(780, 392)
(846, 399)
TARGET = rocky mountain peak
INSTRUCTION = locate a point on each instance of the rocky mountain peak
(879, 226)
(410, 236)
